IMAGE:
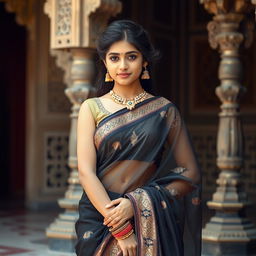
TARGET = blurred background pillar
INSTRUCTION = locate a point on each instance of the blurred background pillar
(229, 232)
(75, 25)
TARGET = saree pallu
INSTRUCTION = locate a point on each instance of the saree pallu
(141, 155)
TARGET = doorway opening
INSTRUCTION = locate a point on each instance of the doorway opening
(12, 109)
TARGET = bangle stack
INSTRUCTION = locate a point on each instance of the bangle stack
(122, 232)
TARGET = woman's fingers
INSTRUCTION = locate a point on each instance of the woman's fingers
(114, 217)
(135, 250)
(114, 202)
(107, 220)
(114, 222)
(118, 224)
(111, 218)
(125, 252)
(130, 252)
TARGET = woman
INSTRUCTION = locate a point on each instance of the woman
(136, 165)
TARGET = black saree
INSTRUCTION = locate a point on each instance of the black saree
(145, 155)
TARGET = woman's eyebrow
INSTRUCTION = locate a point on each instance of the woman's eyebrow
(117, 53)
(131, 52)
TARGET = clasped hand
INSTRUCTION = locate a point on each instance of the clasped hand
(122, 212)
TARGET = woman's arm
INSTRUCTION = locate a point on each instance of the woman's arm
(183, 154)
(86, 155)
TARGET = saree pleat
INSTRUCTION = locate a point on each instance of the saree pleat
(146, 155)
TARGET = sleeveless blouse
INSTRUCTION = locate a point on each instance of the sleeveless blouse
(97, 109)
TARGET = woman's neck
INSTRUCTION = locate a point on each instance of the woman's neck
(128, 91)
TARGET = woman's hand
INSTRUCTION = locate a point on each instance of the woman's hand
(120, 214)
(128, 245)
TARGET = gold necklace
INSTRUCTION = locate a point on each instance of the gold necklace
(129, 103)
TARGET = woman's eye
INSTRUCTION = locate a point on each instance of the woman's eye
(113, 58)
(132, 57)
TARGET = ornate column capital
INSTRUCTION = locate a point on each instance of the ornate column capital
(217, 7)
(225, 30)
(68, 15)
(24, 10)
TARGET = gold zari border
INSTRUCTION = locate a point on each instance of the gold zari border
(128, 117)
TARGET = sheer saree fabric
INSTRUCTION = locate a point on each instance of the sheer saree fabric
(145, 155)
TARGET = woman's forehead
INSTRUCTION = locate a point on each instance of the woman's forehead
(122, 47)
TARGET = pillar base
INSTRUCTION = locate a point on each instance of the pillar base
(229, 234)
(210, 248)
(62, 245)
(61, 233)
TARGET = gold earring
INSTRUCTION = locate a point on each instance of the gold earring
(108, 78)
(145, 74)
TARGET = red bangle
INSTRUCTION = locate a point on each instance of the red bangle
(124, 231)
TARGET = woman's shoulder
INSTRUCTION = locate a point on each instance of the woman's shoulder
(169, 104)
(91, 102)
(165, 101)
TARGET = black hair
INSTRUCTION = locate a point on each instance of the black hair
(133, 33)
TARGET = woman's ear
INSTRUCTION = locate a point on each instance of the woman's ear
(145, 63)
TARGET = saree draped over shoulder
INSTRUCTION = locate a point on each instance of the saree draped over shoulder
(145, 155)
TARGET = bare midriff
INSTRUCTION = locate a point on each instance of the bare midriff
(125, 176)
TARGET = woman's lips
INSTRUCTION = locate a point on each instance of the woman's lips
(123, 75)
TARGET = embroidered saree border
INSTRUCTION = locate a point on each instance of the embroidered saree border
(145, 222)
(109, 247)
(126, 118)
(145, 228)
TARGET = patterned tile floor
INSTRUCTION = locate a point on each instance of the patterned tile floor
(22, 233)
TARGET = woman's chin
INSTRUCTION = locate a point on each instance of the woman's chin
(125, 82)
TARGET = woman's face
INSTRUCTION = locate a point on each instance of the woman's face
(124, 63)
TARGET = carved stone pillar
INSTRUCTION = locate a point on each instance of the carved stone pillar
(74, 27)
(61, 232)
(229, 232)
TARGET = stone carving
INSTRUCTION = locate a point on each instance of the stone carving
(56, 162)
(68, 15)
(56, 101)
(64, 61)
(64, 16)
(229, 41)
(97, 14)
(213, 30)
(48, 7)
(226, 6)
(23, 9)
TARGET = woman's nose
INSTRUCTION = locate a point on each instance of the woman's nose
(123, 64)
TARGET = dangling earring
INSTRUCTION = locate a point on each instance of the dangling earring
(108, 78)
(145, 74)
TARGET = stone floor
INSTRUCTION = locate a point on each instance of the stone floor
(22, 233)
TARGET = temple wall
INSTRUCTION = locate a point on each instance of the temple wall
(47, 120)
